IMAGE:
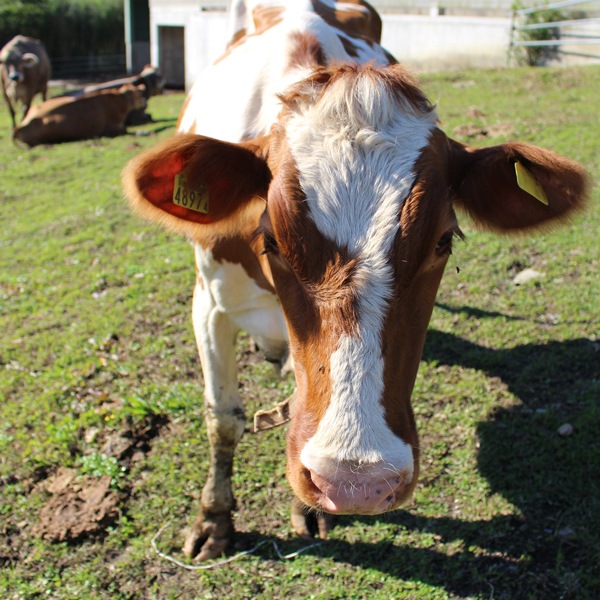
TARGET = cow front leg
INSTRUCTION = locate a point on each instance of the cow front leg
(216, 335)
(10, 108)
(212, 529)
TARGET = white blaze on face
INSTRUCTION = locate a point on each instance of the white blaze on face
(356, 152)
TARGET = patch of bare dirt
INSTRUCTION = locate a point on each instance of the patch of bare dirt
(84, 506)
(79, 507)
(479, 131)
(480, 128)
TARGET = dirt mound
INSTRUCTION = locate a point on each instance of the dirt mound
(79, 507)
(83, 506)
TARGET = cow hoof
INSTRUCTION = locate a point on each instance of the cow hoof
(209, 536)
(307, 522)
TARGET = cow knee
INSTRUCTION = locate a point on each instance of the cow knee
(225, 427)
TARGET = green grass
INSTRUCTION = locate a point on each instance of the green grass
(97, 342)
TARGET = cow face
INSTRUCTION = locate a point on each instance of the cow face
(17, 65)
(352, 249)
(360, 188)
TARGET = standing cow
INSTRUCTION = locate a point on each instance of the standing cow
(24, 71)
(322, 209)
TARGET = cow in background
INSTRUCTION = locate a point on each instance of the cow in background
(24, 71)
(67, 118)
(149, 80)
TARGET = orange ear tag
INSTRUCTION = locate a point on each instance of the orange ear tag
(192, 198)
(530, 184)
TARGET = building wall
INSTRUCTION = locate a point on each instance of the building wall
(204, 36)
(435, 43)
(423, 42)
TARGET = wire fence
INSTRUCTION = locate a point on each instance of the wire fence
(90, 66)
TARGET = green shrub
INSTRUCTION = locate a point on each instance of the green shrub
(539, 55)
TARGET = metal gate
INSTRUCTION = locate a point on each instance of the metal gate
(576, 34)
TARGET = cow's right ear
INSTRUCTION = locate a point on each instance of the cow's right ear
(30, 60)
(195, 185)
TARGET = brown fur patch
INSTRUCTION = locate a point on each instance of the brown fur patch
(265, 17)
(362, 22)
(395, 77)
(307, 51)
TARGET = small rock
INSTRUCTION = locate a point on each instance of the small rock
(565, 430)
(566, 533)
(527, 276)
(91, 434)
(118, 444)
(60, 480)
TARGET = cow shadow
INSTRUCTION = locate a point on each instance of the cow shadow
(152, 127)
(542, 550)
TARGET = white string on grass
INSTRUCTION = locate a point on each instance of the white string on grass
(220, 563)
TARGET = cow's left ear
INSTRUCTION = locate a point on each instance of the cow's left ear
(515, 186)
(191, 184)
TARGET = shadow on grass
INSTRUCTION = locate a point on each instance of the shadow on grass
(153, 127)
(552, 549)
(478, 313)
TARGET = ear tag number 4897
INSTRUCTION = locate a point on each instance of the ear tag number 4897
(193, 198)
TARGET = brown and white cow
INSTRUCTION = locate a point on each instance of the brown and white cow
(24, 72)
(321, 201)
(70, 118)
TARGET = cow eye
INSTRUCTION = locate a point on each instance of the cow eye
(444, 245)
(270, 242)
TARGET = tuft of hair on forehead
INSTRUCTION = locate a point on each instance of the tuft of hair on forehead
(362, 91)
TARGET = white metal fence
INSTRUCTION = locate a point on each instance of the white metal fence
(574, 32)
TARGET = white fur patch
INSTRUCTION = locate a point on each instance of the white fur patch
(230, 291)
(355, 153)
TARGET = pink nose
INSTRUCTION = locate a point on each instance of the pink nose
(358, 494)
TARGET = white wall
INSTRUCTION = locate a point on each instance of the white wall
(423, 43)
(206, 39)
(204, 33)
(436, 43)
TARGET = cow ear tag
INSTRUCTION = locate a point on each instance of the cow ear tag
(530, 184)
(193, 198)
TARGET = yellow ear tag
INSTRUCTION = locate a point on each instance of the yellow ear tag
(530, 184)
(192, 198)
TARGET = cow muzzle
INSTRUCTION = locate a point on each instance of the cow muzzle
(350, 488)
(369, 494)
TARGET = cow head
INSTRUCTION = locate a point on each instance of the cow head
(135, 95)
(353, 193)
(152, 80)
(17, 64)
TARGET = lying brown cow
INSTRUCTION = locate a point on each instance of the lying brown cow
(67, 119)
(24, 72)
(149, 80)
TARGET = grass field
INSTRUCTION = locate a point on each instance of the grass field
(100, 391)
